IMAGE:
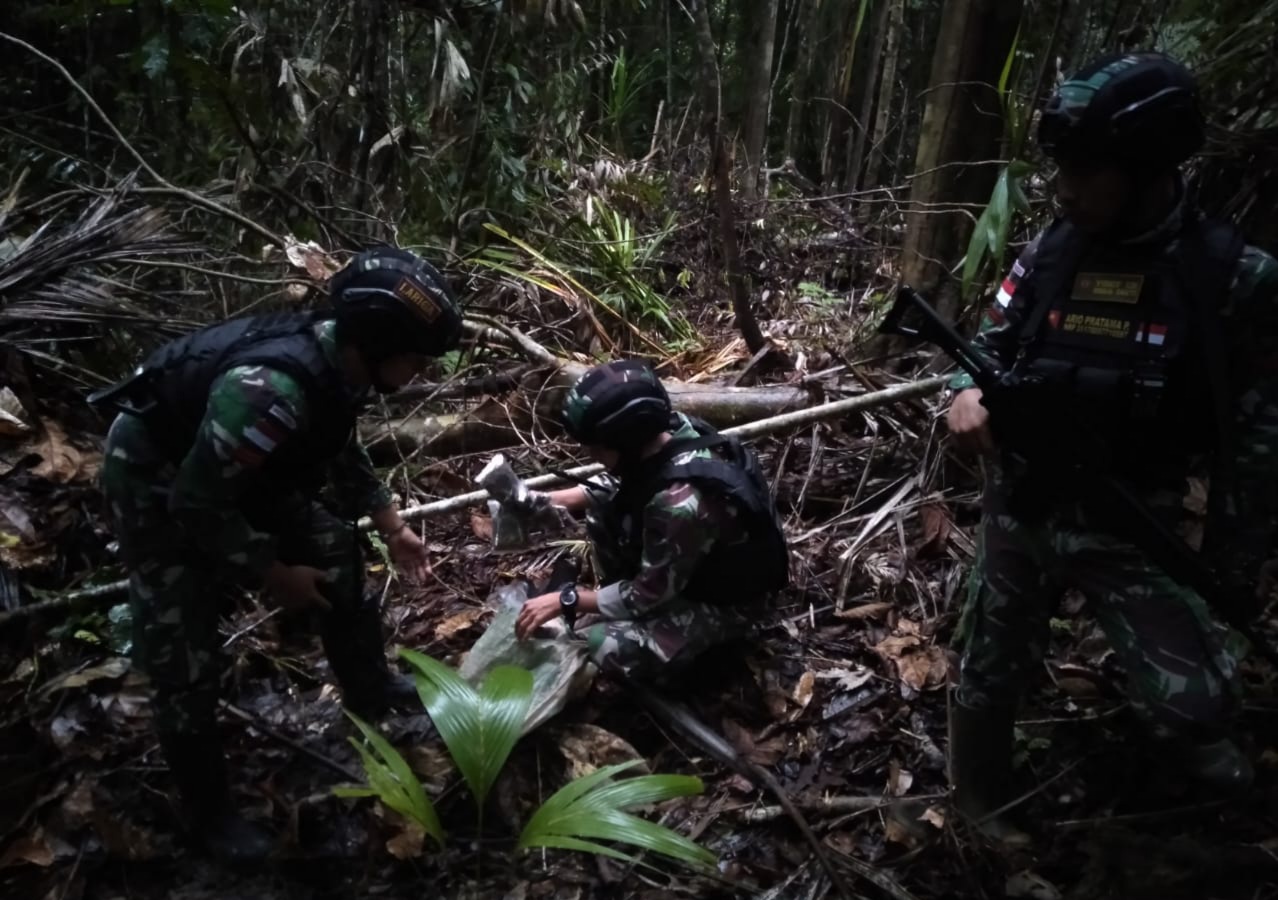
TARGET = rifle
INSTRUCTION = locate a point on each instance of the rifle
(1070, 450)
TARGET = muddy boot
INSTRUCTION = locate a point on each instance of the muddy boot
(981, 768)
(199, 769)
(356, 653)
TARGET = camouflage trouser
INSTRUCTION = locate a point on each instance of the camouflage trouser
(1180, 672)
(662, 643)
(176, 594)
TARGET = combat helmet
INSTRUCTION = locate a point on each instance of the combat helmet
(1139, 110)
(620, 405)
(389, 301)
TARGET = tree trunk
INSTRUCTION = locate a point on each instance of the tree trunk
(887, 85)
(371, 91)
(867, 93)
(959, 135)
(759, 95)
(722, 174)
(799, 89)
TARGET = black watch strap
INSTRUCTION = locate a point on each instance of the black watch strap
(568, 604)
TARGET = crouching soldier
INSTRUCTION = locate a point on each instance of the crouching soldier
(687, 542)
(215, 470)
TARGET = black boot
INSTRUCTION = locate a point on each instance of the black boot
(356, 652)
(199, 769)
(1219, 766)
(981, 767)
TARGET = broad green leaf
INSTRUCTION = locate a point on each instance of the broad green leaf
(480, 727)
(1019, 168)
(643, 790)
(392, 781)
(975, 251)
(593, 808)
(354, 792)
(568, 843)
(1007, 64)
(622, 828)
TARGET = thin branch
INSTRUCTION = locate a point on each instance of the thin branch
(165, 185)
(213, 273)
(531, 348)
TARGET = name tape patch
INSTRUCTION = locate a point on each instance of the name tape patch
(1108, 287)
(1097, 326)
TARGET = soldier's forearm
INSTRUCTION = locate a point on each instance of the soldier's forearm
(587, 600)
(387, 520)
(573, 499)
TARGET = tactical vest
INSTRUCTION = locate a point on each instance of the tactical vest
(177, 378)
(729, 573)
(1131, 337)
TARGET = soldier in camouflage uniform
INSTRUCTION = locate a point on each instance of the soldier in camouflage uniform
(687, 542)
(1162, 327)
(215, 470)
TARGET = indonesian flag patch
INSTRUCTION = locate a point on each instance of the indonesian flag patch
(1157, 334)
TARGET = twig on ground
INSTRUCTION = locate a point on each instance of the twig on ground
(835, 805)
(256, 723)
(682, 719)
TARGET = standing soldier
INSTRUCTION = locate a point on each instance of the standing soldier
(214, 470)
(1161, 327)
(686, 539)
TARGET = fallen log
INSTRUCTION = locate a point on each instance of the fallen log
(910, 390)
(498, 422)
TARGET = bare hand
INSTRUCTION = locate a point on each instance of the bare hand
(969, 422)
(296, 587)
(409, 555)
(536, 612)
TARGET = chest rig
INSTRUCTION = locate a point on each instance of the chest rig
(170, 392)
(1131, 336)
(728, 573)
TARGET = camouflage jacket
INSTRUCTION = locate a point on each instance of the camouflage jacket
(252, 411)
(1250, 324)
(680, 525)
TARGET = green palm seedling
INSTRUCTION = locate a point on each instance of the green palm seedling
(393, 782)
(479, 727)
(593, 808)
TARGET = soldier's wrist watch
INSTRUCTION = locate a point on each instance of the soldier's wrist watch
(568, 605)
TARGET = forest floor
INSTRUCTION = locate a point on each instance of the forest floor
(841, 696)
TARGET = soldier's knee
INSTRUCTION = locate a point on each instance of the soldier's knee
(617, 653)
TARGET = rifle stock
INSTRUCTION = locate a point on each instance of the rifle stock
(1101, 493)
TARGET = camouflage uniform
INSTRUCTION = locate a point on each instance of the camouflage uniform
(1180, 663)
(649, 625)
(190, 530)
